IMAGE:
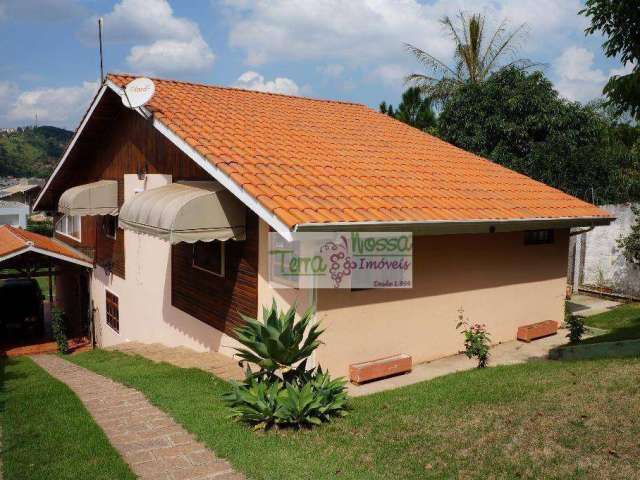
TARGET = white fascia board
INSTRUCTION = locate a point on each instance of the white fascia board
(14, 254)
(86, 118)
(214, 171)
(59, 257)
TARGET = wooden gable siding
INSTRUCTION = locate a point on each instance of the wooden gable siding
(119, 141)
(218, 301)
(127, 144)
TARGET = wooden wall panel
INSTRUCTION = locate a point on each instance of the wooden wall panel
(215, 300)
(118, 141)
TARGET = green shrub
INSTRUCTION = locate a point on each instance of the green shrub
(576, 328)
(476, 341)
(283, 392)
(43, 228)
(59, 329)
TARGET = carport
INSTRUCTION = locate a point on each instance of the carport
(25, 256)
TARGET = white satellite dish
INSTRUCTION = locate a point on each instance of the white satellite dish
(138, 92)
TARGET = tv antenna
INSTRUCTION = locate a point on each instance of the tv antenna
(100, 22)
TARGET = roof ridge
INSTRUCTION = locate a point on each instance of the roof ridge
(225, 87)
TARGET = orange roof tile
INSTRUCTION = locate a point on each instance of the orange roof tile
(14, 239)
(317, 161)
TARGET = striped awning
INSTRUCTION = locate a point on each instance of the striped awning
(185, 212)
(97, 198)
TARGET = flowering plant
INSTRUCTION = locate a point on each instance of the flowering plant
(476, 341)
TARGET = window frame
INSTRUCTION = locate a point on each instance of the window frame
(222, 259)
(115, 231)
(543, 236)
(65, 233)
(115, 326)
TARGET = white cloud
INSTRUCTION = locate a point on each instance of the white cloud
(145, 21)
(59, 106)
(164, 43)
(577, 79)
(171, 56)
(8, 91)
(370, 34)
(254, 81)
(354, 31)
(391, 74)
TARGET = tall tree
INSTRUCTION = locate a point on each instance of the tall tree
(518, 120)
(619, 21)
(477, 55)
(415, 109)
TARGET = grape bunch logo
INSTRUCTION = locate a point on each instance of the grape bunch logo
(341, 260)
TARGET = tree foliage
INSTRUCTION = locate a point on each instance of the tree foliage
(32, 152)
(619, 22)
(477, 55)
(630, 243)
(415, 109)
(518, 120)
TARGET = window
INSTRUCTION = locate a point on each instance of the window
(69, 226)
(110, 226)
(209, 256)
(113, 312)
(538, 237)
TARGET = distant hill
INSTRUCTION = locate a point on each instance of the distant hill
(31, 151)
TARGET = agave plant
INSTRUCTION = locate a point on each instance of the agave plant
(279, 342)
(263, 401)
(255, 401)
(283, 392)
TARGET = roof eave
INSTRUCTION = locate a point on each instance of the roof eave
(448, 227)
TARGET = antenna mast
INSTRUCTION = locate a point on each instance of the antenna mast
(100, 21)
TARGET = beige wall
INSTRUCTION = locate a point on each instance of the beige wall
(496, 279)
(146, 313)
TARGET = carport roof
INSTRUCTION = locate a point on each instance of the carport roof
(15, 241)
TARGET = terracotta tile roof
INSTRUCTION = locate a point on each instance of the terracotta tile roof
(14, 239)
(311, 161)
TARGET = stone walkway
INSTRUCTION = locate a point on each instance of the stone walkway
(150, 441)
(220, 365)
(588, 305)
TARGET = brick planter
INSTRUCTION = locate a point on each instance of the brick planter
(380, 368)
(527, 333)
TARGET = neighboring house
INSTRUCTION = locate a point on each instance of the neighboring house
(597, 261)
(13, 213)
(24, 192)
(487, 240)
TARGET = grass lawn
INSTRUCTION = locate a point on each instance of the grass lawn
(538, 420)
(622, 322)
(47, 433)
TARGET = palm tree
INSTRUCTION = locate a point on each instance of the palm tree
(476, 56)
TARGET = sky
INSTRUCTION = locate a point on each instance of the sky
(337, 49)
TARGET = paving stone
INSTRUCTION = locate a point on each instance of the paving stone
(151, 442)
(220, 365)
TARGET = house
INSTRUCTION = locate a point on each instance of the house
(201, 175)
(25, 191)
(13, 213)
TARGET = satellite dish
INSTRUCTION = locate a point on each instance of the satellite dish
(138, 92)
